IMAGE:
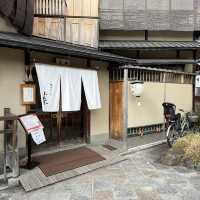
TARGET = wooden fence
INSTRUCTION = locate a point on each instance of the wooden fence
(69, 8)
(11, 152)
(148, 74)
(50, 7)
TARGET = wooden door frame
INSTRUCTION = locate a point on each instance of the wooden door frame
(85, 118)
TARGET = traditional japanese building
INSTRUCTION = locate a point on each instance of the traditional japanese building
(158, 34)
(118, 41)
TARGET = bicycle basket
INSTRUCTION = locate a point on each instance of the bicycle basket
(169, 111)
(193, 117)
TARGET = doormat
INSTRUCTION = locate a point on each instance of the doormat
(67, 160)
(109, 147)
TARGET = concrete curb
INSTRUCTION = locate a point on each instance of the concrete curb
(142, 147)
(12, 182)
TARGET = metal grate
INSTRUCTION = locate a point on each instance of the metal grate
(143, 130)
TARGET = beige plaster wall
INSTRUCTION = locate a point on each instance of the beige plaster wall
(180, 94)
(122, 35)
(11, 76)
(100, 118)
(170, 36)
(151, 111)
(152, 35)
(5, 26)
(189, 68)
(158, 55)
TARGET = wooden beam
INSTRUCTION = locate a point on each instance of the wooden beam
(146, 35)
(137, 54)
(27, 57)
(125, 108)
(178, 54)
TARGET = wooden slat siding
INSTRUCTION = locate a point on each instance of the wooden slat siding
(75, 32)
(52, 28)
(153, 76)
(82, 31)
(49, 7)
(116, 117)
(87, 8)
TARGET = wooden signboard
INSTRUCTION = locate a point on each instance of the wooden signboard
(28, 94)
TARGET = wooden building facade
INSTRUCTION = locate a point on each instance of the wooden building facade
(106, 35)
(74, 21)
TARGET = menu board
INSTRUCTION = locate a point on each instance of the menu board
(33, 126)
(31, 123)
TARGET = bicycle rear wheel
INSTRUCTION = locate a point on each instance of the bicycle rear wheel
(172, 135)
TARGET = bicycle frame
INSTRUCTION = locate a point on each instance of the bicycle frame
(185, 125)
(180, 127)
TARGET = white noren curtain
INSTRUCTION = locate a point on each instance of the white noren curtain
(91, 88)
(49, 81)
(71, 89)
(50, 77)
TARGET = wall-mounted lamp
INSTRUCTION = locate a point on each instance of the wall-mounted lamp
(137, 88)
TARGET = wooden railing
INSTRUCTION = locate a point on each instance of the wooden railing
(153, 75)
(50, 7)
(10, 138)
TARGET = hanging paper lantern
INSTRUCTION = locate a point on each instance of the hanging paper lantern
(137, 88)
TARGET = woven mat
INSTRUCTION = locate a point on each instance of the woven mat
(67, 160)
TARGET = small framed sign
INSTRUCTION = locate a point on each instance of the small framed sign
(28, 93)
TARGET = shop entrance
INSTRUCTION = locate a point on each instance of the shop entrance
(62, 128)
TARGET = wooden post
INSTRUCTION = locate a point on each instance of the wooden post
(125, 108)
(15, 159)
(6, 112)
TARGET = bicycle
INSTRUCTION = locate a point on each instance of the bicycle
(178, 125)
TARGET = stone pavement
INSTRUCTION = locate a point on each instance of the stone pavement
(139, 178)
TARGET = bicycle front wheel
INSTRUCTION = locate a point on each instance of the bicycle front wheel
(172, 135)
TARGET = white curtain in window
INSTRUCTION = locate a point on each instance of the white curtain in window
(71, 89)
(49, 82)
(91, 88)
